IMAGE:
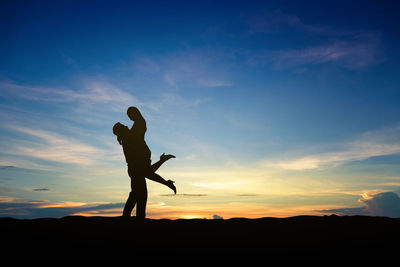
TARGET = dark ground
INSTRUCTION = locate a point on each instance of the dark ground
(288, 236)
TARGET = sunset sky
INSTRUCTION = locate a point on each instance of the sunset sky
(272, 109)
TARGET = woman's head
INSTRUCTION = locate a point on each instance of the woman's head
(133, 113)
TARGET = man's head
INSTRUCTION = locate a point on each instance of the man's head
(119, 129)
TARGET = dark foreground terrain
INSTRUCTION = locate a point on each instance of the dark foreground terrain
(302, 234)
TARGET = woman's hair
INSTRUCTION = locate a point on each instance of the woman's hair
(134, 113)
(118, 131)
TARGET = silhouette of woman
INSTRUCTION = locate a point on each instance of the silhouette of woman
(138, 158)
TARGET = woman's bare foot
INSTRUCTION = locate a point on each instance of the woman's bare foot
(164, 157)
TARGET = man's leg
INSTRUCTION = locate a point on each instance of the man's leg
(131, 201)
(141, 197)
(129, 205)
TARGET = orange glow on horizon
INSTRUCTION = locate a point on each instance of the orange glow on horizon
(61, 204)
(188, 213)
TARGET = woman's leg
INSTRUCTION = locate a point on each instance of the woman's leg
(163, 158)
(157, 178)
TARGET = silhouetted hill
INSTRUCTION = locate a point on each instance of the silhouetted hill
(302, 234)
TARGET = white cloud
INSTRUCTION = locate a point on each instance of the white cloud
(20, 208)
(357, 53)
(371, 144)
(199, 68)
(381, 204)
(93, 101)
(54, 147)
(305, 163)
(37, 93)
(355, 152)
(146, 65)
(91, 92)
(214, 83)
(349, 49)
(97, 92)
(221, 185)
(217, 217)
(275, 20)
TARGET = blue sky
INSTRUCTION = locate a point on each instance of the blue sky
(272, 109)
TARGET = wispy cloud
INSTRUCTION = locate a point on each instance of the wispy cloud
(90, 92)
(351, 49)
(275, 20)
(187, 68)
(54, 147)
(358, 52)
(65, 134)
(198, 68)
(145, 64)
(355, 152)
(174, 99)
(19, 208)
(6, 167)
(37, 93)
(40, 189)
(19, 163)
(371, 144)
(100, 92)
(184, 195)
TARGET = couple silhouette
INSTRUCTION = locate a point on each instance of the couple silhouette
(138, 157)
